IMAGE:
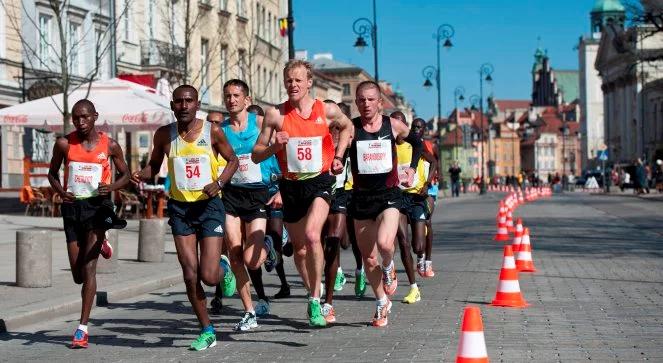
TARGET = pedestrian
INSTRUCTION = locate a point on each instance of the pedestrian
(454, 175)
(87, 210)
(195, 209)
(658, 175)
(305, 150)
(640, 177)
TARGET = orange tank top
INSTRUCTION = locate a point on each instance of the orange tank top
(310, 149)
(89, 167)
(428, 146)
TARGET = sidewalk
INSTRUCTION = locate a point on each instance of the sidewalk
(615, 191)
(22, 306)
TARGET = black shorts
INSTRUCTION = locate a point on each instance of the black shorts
(368, 204)
(205, 218)
(83, 215)
(339, 203)
(415, 207)
(246, 203)
(298, 195)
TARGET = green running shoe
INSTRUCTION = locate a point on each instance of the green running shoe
(228, 285)
(340, 280)
(205, 340)
(316, 319)
(360, 284)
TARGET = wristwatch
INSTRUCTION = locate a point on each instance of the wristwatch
(220, 183)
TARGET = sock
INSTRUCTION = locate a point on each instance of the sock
(208, 329)
(381, 302)
(420, 261)
(414, 286)
(82, 327)
(390, 267)
(358, 272)
(339, 270)
(429, 263)
(252, 312)
(317, 299)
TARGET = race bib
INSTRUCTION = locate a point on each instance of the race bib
(192, 172)
(84, 178)
(374, 156)
(402, 177)
(340, 178)
(304, 154)
(248, 172)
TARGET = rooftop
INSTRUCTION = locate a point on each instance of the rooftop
(601, 6)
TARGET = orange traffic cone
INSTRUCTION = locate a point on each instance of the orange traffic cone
(508, 289)
(521, 200)
(524, 261)
(509, 220)
(502, 233)
(501, 213)
(471, 345)
(518, 236)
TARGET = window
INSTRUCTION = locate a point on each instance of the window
(263, 90)
(74, 41)
(223, 4)
(45, 40)
(256, 26)
(151, 18)
(258, 85)
(240, 7)
(241, 64)
(224, 64)
(101, 61)
(3, 36)
(126, 20)
(204, 52)
(269, 34)
(346, 89)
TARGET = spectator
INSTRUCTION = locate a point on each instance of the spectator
(454, 174)
(658, 175)
(640, 177)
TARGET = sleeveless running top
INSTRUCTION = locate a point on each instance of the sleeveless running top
(191, 165)
(404, 152)
(248, 174)
(373, 157)
(85, 169)
(310, 149)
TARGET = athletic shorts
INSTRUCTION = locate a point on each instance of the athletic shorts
(368, 204)
(298, 195)
(415, 207)
(204, 218)
(84, 215)
(274, 213)
(246, 203)
(339, 203)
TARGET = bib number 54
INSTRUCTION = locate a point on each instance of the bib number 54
(192, 170)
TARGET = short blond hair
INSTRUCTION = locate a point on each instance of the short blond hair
(295, 63)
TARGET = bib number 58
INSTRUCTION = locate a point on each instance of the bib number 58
(304, 153)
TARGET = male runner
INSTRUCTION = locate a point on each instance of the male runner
(424, 261)
(306, 154)
(195, 209)
(245, 199)
(87, 211)
(376, 197)
(414, 210)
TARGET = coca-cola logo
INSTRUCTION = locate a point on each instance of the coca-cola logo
(15, 119)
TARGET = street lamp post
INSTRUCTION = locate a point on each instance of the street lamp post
(485, 71)
(363, 27)
(474, 102)
(459, 95)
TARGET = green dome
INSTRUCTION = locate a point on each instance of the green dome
(601, 6)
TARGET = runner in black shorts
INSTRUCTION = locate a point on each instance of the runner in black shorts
(376, 197)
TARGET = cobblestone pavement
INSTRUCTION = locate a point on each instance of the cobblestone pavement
(597, 296)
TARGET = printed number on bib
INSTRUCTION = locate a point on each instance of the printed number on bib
(84, 178)
(192, 172)
(248, 172)
(374, 156)
(402, 177)
(304, 154)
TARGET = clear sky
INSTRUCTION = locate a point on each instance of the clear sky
(502, 32)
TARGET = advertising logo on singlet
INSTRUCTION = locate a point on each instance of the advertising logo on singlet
(102, 156)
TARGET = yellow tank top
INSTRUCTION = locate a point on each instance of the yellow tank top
(191, 165)
(404, 154)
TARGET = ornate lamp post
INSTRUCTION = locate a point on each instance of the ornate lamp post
(364, 28)
(485, 72)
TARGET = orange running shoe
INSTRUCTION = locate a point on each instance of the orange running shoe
(329, 313)
(429, 271)
(80, 340)
(381, 317)
(106, 249)
(389, 281)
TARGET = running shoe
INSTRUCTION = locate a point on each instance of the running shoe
(283, 292)
(286, 245)
(329, 313)
(228, 284)
(413, 296)
(315, 315)
(217, 305)
(340, 281)
(80, 340)
(421, 269)
(205, 340)
(262, 308)
(248, 322)
(381, 317)
(360, 284)
(106, 249)
(390, 281)
(429, 271)
(272, 255)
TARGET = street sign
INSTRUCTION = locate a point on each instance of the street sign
(603, 155)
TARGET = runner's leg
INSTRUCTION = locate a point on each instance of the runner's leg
(187, 254)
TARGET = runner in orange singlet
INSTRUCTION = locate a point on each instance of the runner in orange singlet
(305, 151)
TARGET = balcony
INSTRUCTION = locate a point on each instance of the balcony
(157, 53)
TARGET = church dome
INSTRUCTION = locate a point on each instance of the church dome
(601, 6)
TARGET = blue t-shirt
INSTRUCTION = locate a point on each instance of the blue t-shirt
(248, 174)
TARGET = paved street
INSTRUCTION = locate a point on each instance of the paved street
(597, 296)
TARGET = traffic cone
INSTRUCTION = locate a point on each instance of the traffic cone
(518, 236)
(509, 220)
(471, 345)
(508, 288)
(502, 233)
(521, 200)
(501, 214)
(524, 261)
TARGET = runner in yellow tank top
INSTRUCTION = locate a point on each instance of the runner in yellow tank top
(195, 208)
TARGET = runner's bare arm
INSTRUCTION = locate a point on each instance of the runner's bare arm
(338, 119)
(263, 149)
(120, 167)
(259, 121)
(432, 170)
(401, 132)
(161, 138)
(59, 152)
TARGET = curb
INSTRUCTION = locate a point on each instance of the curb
(103, 298)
